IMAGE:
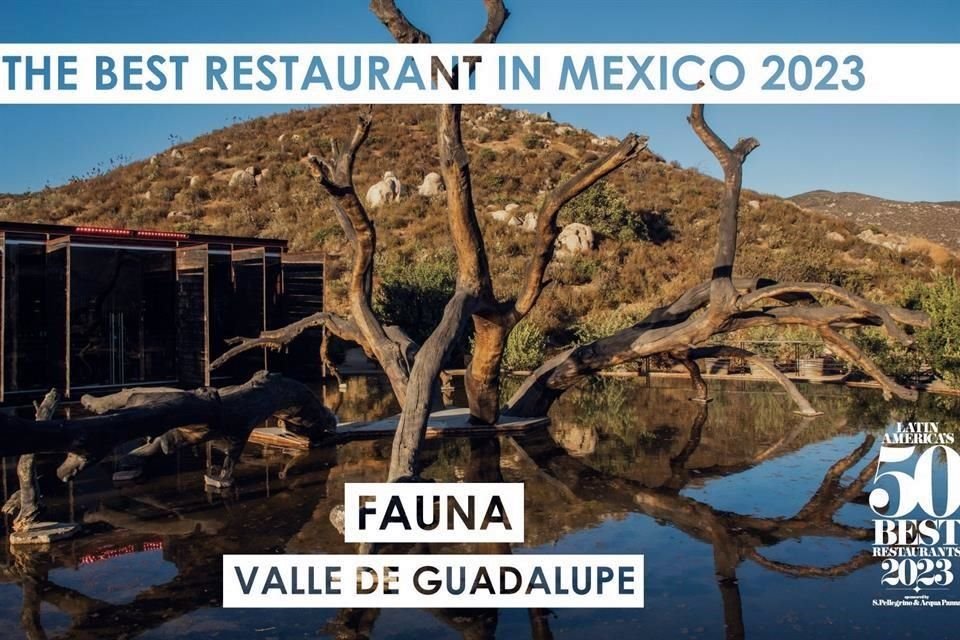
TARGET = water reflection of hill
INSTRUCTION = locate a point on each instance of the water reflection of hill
(632, 431)
(626, 428)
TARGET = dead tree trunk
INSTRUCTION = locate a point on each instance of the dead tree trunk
(474, 297)
(25, 502)
(194, 416)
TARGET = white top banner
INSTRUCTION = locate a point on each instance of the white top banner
(501, 73)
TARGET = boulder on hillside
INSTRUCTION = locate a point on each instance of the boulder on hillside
(283, 140)
(512, 207)
(835, 236)
(608, 141)
(575, 239)
(502, 215)
(529, 222)
(886, 240)
(247, 178)
(432, 185)
(387, 190)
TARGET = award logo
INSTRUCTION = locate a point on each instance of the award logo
(915, 496)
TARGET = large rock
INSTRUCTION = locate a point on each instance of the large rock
(247, 178)
(511, 208)
(283, 140)
(432, 185)
(530, 222)
(885, 240)
(387, 190)
(835, 236)
(575, 239)
(608, 141)
(501, 215)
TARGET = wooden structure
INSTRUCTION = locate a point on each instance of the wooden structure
(89, 309)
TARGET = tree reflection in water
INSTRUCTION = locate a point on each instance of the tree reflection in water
(574, 482)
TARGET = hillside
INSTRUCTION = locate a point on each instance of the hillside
(935, 221)
(516, 155)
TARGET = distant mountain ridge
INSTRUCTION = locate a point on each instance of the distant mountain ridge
(935, 221)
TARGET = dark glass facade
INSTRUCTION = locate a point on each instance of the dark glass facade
(88, 309)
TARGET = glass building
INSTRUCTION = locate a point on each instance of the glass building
(90, 309)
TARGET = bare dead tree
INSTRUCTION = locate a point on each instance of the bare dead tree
(473, 298)
(413, 378)
(685, 328)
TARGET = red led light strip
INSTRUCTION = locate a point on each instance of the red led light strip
(113, 552)
(104, 231)
(166, 235)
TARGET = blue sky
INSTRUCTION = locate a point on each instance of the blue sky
(897, 151)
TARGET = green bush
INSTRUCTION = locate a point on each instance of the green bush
(892, 357)
(525, 347)
(940, 344)
(605, 211)
(413, 295)
(532, 141)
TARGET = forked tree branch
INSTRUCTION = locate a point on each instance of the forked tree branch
(728, 304)
(547, 228)
(731, 161)
(335, 175)
(493, 324)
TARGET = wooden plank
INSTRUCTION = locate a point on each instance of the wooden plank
(57, 285)
(444, 423)
(251, 254)
(305, 257)
(278, 437)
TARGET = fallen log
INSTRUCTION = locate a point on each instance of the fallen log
(177, 417)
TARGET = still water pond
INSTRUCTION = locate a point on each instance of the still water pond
(740, 507)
